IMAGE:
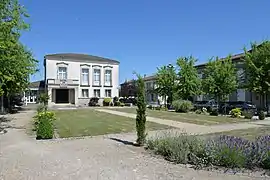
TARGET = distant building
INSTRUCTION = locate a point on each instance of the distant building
(75, 78)
(239, 95)
(33, 91)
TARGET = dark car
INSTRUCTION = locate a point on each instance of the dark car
(243, 105)
(211, 104)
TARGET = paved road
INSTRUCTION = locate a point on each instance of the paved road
(98, 158)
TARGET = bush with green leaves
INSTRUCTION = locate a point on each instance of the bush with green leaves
(44, 125)
(236, 113)
(261, 115)
(198, 111)
(107, 101)
(213, 112)
(141, 112)
(182, 105)
(248, 114)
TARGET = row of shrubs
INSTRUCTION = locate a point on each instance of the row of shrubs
(106, 102)
(225, 151)
(44, 123)
(185, 106)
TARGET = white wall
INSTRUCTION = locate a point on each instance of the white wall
(74, 72)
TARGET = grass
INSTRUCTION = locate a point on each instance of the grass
(186, 117)
(249, 134)
(87, 122)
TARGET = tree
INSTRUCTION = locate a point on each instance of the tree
(166, 79)
(257, 69)
(189, 82)
(16, 61)
(219, 79)
(141, 108)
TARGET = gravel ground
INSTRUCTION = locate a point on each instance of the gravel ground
(24, 158)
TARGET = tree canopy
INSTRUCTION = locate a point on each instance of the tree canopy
(257, 68)
(16, 61)
(166, 79)
(188, 81)
(220, 78)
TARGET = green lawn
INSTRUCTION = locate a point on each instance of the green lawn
(185, 117)
(249, 134)
(88, 122)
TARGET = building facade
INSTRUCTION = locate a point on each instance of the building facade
(240, 94)
(75, 78)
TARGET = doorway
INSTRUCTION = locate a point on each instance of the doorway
(62, 96)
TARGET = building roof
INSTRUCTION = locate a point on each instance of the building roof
(75, 56)
(37, 84)
(234, 58)
(146, 78)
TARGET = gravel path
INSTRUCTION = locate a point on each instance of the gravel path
(101, 157)
(188, 127)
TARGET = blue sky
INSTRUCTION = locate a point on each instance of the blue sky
(144, 34)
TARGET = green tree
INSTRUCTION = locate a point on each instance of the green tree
(16, 61)
(219, 79)
(141, 108)
(166, 79)
(189, 82)
(257, 69)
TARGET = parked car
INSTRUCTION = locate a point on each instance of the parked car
(226, 107)
(211, 104)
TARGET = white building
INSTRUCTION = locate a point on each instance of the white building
(75, 78)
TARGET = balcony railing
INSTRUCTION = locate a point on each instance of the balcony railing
(63, 82)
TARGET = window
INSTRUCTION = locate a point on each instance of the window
(148, 85)
(62, 73)
(96, 77)
(85, 76)
(85, 93)
(108, 93)
(96, 93)
(108, 77)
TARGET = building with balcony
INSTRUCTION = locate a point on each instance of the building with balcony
(75, 78)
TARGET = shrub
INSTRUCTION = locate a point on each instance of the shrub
(213, 112)
(236, 113)
(43, 98)
(261, 115)
(248, 114)
(93, 101)
(141, 115)
(226, 151)
(182, 105)
(150, 106)
(107, 101)
(44, 125)
(122, 104)
(198, 111)
(41, 108)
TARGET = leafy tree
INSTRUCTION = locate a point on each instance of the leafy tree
(166, 79)
(219, 79)
(189, 82)
(257, 69)
(16, 61)
(141, 108)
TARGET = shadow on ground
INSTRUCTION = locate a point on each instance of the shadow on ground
(123, 141)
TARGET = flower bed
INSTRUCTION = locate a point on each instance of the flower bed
(225, 151)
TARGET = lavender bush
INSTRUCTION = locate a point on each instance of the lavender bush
(225, 151)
